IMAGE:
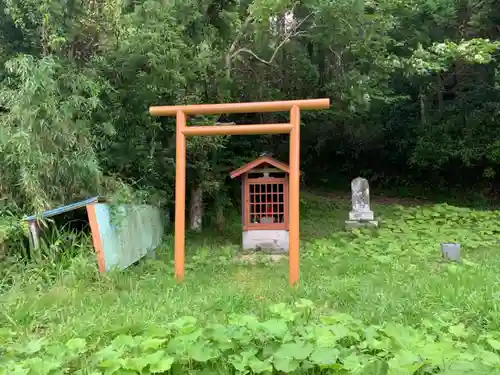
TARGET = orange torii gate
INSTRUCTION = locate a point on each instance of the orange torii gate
(292, 128)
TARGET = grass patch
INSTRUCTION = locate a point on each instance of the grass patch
(391, 275)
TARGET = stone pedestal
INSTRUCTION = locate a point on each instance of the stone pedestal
(366, 215)
(354, 224)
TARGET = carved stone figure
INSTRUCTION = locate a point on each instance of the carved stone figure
(361, 213)
(360, 193)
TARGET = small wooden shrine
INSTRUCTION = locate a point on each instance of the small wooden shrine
(264, 193)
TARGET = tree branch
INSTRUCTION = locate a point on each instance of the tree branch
(291, 34)
(229, 58)
(232, 54)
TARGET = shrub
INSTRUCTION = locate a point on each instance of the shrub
(12, 235)
(292, 341)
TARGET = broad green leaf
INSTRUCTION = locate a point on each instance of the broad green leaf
(495, 344)
(32, 347)
(202, 352)
(377, 367)
(43, 366)
(285, 365)
(152, 343)
(489, 358)
(108, 353)
(458, 330)
(283, 311)
(299, 350)
(239, 362)
(162, 365)
(324, 356)
(76, 344)
(405, 362)
(124, 341)
(136, 363)
(258, 366)
(352, 363)
(275, 327)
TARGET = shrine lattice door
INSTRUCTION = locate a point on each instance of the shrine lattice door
(266, 204)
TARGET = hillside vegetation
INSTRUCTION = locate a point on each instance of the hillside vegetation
(368, 303)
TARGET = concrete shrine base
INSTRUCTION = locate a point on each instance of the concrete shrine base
(273, 241)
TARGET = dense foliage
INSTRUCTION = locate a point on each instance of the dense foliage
(293, 341)
(414, 88)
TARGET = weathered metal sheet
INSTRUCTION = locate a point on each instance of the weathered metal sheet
(63, 209)
(126, 233)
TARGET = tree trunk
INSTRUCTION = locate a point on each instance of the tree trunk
(220, 219)
(422, 106)
(439, 92)
(196, 209)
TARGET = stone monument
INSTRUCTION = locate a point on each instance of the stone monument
(361, 215)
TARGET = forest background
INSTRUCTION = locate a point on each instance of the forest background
(414, 87)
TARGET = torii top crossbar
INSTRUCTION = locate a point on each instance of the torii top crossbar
(292, 128)
(251, 107)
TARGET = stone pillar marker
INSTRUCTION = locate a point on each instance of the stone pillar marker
(361, 215)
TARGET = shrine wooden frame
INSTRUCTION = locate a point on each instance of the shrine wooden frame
(286, 203)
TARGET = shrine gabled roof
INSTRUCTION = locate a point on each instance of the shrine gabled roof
(258, 162)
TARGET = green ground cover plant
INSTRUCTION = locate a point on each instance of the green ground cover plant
(369, 302)
(293, 340)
